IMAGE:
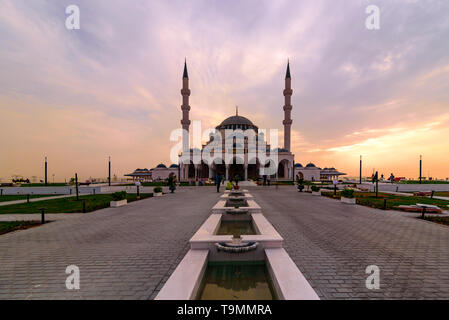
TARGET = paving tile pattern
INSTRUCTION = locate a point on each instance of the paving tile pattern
(333, 243)
(122, 253)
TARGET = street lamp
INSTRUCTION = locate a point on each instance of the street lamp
(109, 178)
(420, 169)
(360, 169)
(45, 170)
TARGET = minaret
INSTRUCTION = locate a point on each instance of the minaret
(287, 108)
(185, 91)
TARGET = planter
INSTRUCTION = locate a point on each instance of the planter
(157, 194)
(348, 200)
(116, 204)
(316, 193)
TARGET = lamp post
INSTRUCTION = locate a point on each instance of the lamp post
(45, 170)
(109, 178)
(377, 183)
(76, 186)
(360, 169)
(420, 169)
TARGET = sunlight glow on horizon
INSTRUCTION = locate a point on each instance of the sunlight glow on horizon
(113, 87)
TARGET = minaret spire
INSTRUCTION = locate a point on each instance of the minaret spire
(236, 110)
(287, 108)
(185, 107)
(186, 74)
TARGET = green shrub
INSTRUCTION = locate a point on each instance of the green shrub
(315, 188)
(157, 190)
(117, 196)
(348, 193)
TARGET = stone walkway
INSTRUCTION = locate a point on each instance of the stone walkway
(332, 244)
(123, 253)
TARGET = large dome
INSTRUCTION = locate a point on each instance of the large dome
(237, 122)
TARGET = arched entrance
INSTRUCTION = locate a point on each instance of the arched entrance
(204, 171)
(284, 169)
(253, 170)
(299, 176)
(236, 170)
(281, 169)
(220, 168)
(191, 171)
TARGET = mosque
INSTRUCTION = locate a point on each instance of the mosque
(247, 166)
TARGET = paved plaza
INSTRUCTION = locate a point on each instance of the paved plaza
(129, 252)
(332, 244)
(123, 253)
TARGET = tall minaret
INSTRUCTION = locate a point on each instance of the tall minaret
(287, 108)
(185, 91)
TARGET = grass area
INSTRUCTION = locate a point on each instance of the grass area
(442, 194)
(440, 220)
(6, 227)
(369, 199)
(43, 185)
(23, 197)
(68, 205)
(423, 182)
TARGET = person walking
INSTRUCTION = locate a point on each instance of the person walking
(218, 182)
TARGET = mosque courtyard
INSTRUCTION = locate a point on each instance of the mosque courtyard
(130, 252)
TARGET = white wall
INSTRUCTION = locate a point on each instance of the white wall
(162, 173)
(310, 174)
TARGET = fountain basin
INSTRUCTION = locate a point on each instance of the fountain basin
(208, 236)
(194, 273)
(236, 281)
(224, 206)
(228, 195)
(236, 228)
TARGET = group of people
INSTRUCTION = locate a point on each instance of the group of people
(219, 180)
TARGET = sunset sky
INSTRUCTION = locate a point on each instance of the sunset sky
(112, 88)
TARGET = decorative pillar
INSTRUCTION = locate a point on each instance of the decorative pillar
(287, 109)
(227, 172)
(196, 171)
(246, 173)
